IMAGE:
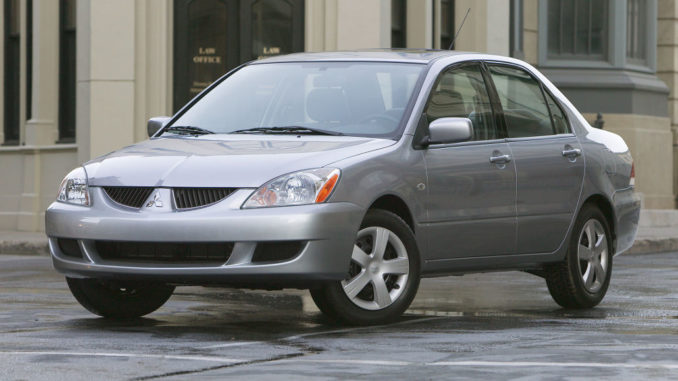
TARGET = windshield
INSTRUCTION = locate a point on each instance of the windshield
(335, 98)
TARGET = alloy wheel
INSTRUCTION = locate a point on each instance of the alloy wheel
(592, 254)
(379, 269)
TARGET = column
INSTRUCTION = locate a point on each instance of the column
(105, 76)
(363, 24)
(486, 28)
(42, 128)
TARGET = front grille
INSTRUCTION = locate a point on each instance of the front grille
(129, 196)
(186, 198)
(165, 252)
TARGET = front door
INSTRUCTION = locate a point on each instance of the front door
(547, 157)
(471, 185)
(212, 37)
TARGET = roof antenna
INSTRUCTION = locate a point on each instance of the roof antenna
(459, 30)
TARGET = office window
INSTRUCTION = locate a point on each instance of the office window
(636, 31)
(398, 23)
(67, 71)
(577, 29)
(12, 69)
(446, 23)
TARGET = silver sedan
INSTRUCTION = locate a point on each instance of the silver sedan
(351, 174)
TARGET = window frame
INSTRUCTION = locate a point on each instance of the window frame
(499, 125)
(403, 23)
(65, 104)
(516, 29)
(449, 33)
(649, 62)
(544, 91)
(615, 56)
(13, 37)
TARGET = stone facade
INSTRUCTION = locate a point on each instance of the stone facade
(125, 73)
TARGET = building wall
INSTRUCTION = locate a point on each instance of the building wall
(125, 76)
(633, 102)
(667, 68)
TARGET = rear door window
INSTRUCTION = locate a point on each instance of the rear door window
(523, 103)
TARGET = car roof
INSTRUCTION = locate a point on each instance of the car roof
(379, 55)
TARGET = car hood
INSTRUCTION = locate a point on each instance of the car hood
(241, 161)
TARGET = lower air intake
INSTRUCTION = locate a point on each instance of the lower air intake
(165, 252)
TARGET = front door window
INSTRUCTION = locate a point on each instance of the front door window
(461, 93)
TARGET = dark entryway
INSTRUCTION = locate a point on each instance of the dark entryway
(214, 36)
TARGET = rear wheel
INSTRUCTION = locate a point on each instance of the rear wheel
(383, 276)
(582, 279)
(116, 300)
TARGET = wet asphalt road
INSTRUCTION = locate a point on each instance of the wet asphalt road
(498, 326)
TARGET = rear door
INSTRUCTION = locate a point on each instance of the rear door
(547, 156)
(471, 185)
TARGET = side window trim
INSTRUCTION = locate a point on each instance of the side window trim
(547, 94)
(546, 102)
(488, 63)
(497, 110)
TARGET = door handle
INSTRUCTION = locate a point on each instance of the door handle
(500, 159)
(571, 152)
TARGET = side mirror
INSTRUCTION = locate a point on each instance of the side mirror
(450, 130)
(155, 124)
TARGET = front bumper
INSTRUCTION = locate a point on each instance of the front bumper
(329, 231)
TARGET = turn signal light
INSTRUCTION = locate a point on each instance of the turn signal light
(326, 190)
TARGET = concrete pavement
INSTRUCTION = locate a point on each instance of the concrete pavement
(481, 326)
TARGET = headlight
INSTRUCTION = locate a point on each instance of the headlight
(73, 189)
(306, 187)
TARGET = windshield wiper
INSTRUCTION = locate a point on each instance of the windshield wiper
(286, 130)
(188, 130)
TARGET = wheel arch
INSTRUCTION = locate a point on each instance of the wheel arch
(396, 205)
(605, 206)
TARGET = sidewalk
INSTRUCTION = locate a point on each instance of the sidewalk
(658, 232)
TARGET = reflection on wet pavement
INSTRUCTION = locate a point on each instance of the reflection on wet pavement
(499, 325)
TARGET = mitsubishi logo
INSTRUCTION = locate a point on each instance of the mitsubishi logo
(156, 201)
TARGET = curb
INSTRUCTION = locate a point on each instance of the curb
(37, 247)
(653, 245)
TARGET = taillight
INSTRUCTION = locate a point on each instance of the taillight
(632, 180)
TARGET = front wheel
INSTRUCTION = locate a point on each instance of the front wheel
(116, 300)
(383, 276)
(582, 279)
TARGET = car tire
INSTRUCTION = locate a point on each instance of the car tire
(383, 277)
(117, 300)
(582, 279)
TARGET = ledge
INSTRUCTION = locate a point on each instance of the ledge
(32, 148)
(612, 90)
